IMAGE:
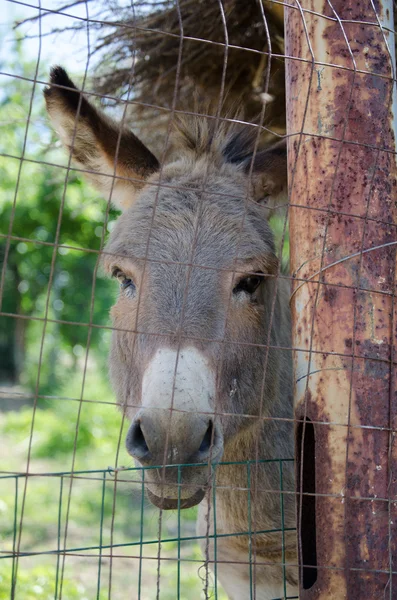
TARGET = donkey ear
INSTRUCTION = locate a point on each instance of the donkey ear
(268, 170)
(98, 144)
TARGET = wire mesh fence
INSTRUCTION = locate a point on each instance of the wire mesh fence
(100, 544)
(202, 363)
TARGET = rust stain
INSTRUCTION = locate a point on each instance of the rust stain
(349, 381)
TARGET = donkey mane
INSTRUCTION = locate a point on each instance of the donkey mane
(225, 139)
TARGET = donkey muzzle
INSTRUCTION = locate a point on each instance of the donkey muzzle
(178, 451)
(175, 434)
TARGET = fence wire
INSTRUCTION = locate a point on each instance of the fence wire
(73, 527)
(100, 484)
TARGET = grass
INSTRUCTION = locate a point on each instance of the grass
(128, 563)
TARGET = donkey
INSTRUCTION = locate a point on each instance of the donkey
(199, 358)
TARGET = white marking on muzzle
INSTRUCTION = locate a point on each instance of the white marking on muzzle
(183, 380)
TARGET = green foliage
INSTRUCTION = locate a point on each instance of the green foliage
(281, 238)
(39, 583)
(42, 205)
(54, 431)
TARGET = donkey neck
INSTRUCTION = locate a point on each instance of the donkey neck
(254, 473)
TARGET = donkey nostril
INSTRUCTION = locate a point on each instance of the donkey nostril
(139, 438)
(207, 439)
(136, 443)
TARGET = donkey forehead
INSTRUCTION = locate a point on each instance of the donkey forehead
(207, 227)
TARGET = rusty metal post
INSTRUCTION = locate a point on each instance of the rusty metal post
(342, 174)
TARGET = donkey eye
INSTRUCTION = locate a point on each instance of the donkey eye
(126, 283)
(249, 284)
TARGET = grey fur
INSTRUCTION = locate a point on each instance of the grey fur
(188, 233)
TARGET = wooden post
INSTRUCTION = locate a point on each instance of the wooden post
(342, 175)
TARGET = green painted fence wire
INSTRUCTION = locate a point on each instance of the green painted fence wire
(59, 537)
(141, 535)
(101, 536)
(13, 575)
(107, 475)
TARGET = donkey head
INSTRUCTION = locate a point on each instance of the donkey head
(194, 256)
